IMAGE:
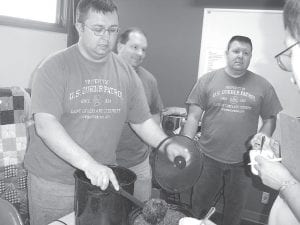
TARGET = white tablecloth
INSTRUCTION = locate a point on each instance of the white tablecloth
(68, 219)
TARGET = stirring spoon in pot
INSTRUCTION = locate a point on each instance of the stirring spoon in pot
(127, 195)
(130, 197)
(154, 210)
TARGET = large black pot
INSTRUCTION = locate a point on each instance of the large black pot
(179, 208)
(96, 207)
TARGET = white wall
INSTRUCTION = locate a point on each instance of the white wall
(265, 28)
(22, 49)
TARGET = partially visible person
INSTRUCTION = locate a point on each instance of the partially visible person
(286, 208)
(81, 97)
(229, 102)
(132, 151)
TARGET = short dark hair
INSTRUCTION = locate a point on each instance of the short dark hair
(124, 36)
(239, 38)
(84, 6)
(291, 18)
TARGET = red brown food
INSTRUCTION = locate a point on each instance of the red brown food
(155, 210)
(172, 217)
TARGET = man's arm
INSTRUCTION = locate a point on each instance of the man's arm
(156, 118)
(268, 126)
(266, 129)
(193, 118)
(153, 135)
(289, 196)
(276, 176)
(57, 139)
(149, 131)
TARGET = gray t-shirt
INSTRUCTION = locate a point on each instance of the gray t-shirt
(232, 107)
(131, 149)
(91, 100)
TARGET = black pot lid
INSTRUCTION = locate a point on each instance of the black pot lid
(176, 177)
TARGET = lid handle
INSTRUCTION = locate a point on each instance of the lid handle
(180, 162)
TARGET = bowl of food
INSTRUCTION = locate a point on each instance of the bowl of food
(173, 215)
(194, 221)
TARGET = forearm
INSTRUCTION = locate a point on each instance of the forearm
(190, 127)
(268, 126)
(156, 118)
(277, 176)
(150, 132)
(289, 195)
(59, 141)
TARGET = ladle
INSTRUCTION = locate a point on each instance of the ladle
(151, 214)
(125, 194)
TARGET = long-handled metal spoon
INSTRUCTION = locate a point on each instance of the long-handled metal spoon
(125, 194)
(154, 210)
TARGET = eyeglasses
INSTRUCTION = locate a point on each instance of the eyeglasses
(100, 30)
(284, 58)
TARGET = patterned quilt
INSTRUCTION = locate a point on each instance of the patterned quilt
(14, 118)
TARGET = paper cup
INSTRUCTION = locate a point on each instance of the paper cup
(194, 221)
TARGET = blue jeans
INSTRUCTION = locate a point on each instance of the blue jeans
(48, 201)
(143, 183)
(214, 175)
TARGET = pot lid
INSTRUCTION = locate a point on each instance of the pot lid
(177, 176)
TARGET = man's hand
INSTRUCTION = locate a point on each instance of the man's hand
(174, 149)
(273, 174)
(259, 140)
(100, 175)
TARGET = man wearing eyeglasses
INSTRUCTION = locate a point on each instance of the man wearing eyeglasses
(286, 208)
(81, 98)
(229, 102)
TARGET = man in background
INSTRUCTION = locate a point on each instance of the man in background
(132, 151)
(229, 102)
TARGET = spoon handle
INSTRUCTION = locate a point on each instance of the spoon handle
(125, 194)
(210, 212)
(131, 197)
(208, 215)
